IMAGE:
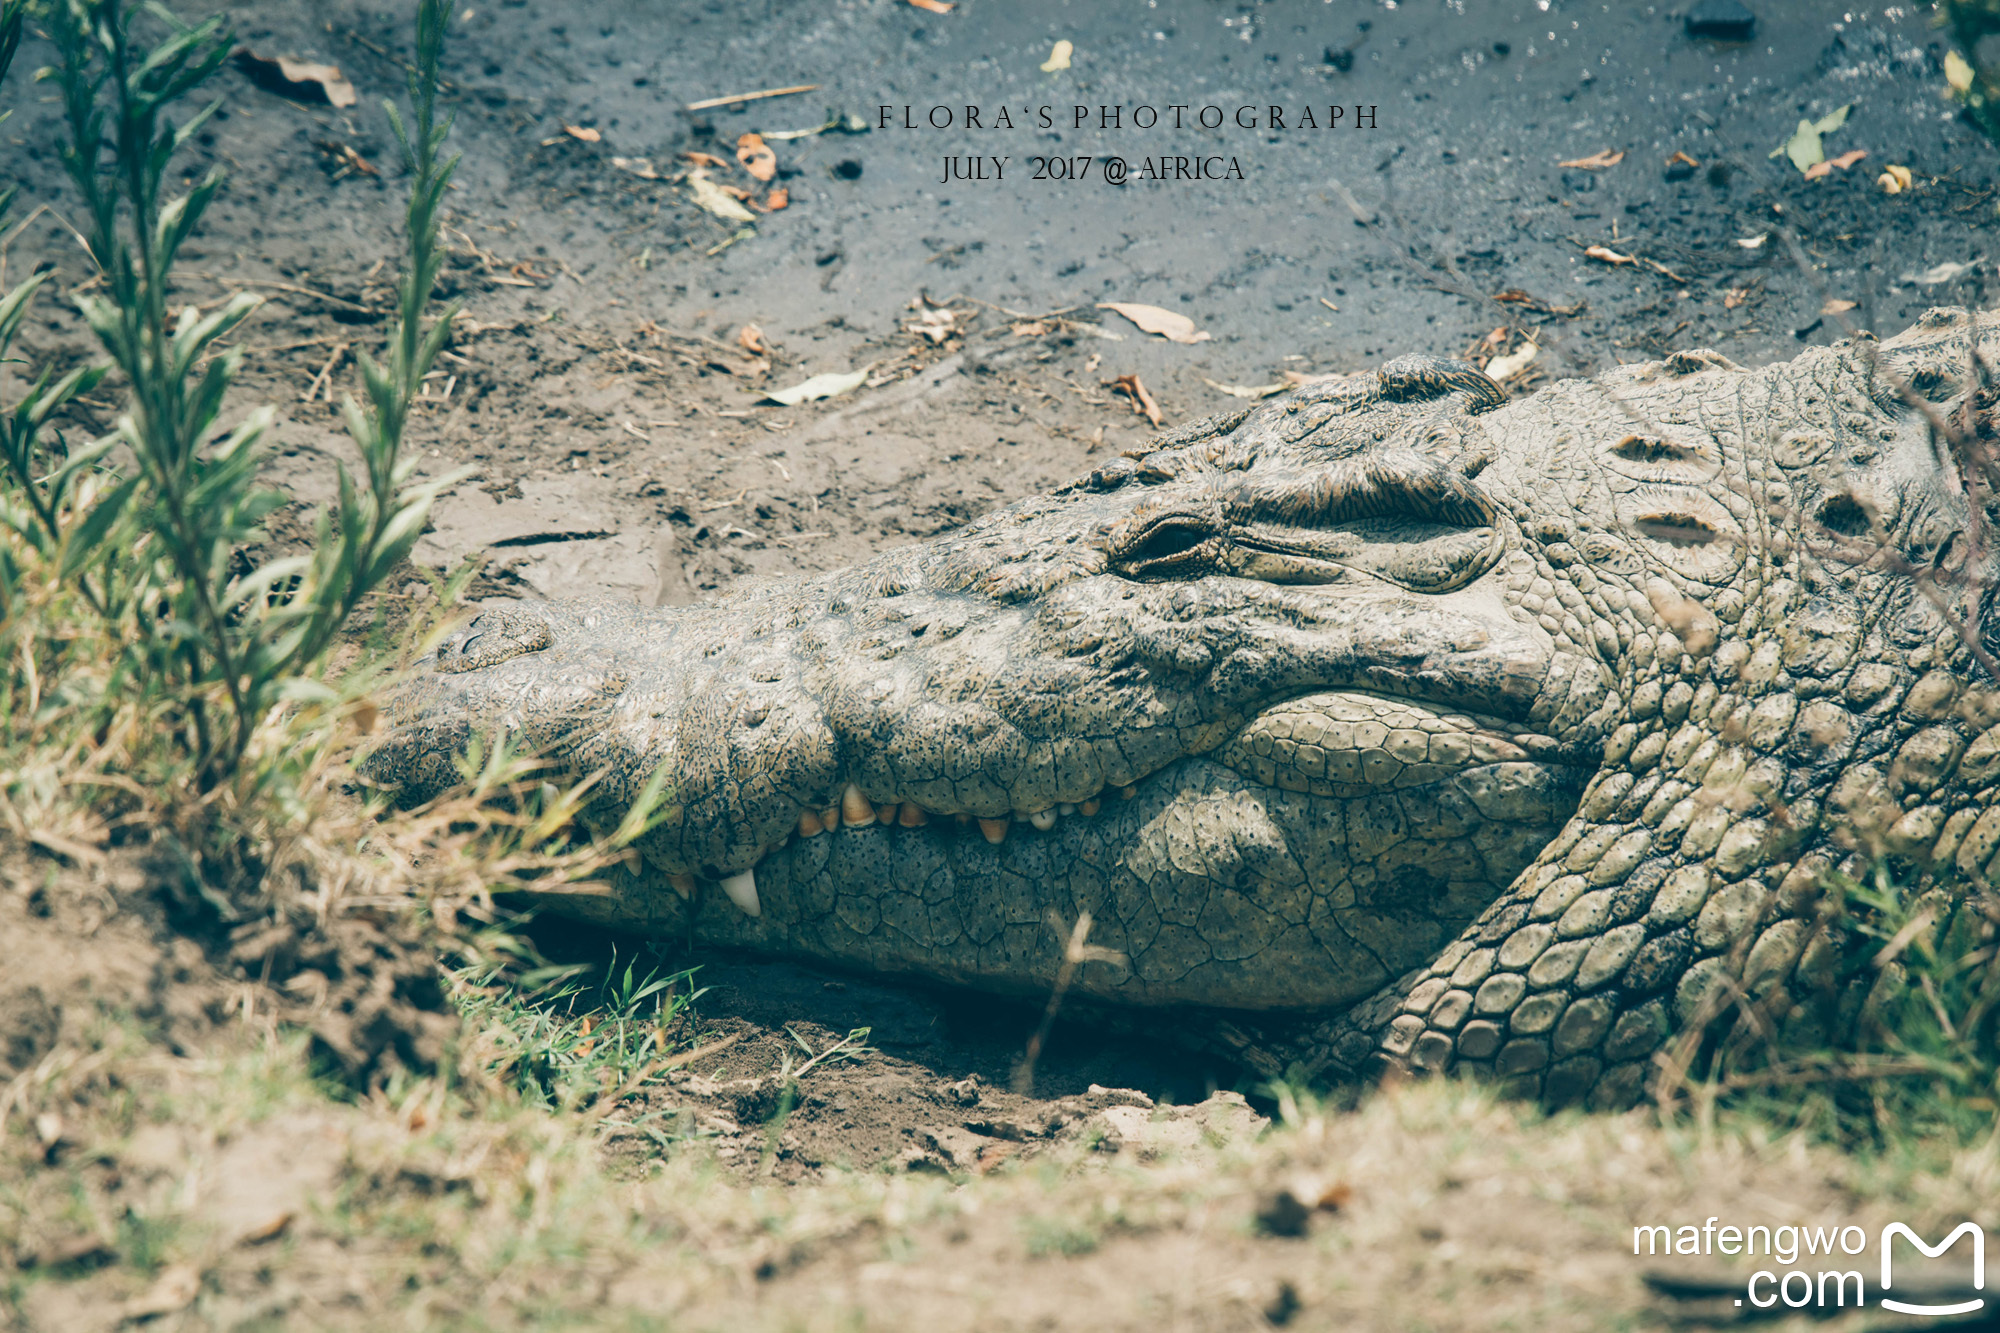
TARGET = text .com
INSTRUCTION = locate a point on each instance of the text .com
(1808, 1261)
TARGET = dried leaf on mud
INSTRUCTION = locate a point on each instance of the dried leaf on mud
(299, 80)
(1957, 72)
(779, 198)
(1059, 56)
(756, 157)
(1836, 306)
(1938, 273)
(1152, 319)
(751, 339)
(1247, 390)
(1596, 161)
(1142, 402)
(1503, 368)
(935, 322)
(350, 161)
(1609, 256)
(830, 385)
(715, 199)
(934, 6)
(583, 133)
(1804, 147)
(1894, 179)
(641, 167)
(1844, 161)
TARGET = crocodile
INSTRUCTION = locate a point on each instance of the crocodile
(1429, 728)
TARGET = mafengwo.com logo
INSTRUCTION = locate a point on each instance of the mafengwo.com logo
(1807, 1264)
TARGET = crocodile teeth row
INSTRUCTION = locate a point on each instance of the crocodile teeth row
(857, 811)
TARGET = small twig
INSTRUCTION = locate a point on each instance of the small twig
(293, 287)
(1077, 951)
(324, 378)
(706, 103)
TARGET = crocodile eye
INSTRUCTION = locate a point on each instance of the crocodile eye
(1173, 547)
(491, 638)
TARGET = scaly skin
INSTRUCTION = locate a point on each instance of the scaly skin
(1444, 730)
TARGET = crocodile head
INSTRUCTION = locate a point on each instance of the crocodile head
(1379, 679)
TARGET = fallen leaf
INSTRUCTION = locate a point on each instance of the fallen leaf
(1515, 296)
(715, 199)
(1247, 390)
(1938, 273)
(269, 1229)
(638, 166)
(296, 79)
(1844, 161)
(830, 385)
(1894, 180)
(1142, 402)
(1609, 255)
(1151, 319)
(1804, 147)
(751, 339)
(1503, 368)
(935, 322)
(1295, 378)
(1683, 159)
(582, 132)
(1734, 297)
(174, 1289)
(705, 160)
(1752, 242)
(350, 161)
(756, 157)
(1836, 306)
(1059, 56)
(1596, 161)
(1028, 328)
(934, 6)
(780, 198)
(1957, 72)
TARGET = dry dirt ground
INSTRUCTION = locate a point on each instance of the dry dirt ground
(603, 382)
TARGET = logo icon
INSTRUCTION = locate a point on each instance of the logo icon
(1972, 1229)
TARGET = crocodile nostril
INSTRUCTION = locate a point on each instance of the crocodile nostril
(1842, 514)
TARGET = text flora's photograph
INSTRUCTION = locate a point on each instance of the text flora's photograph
(1004, 664)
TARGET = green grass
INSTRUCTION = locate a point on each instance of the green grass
(558, 1038)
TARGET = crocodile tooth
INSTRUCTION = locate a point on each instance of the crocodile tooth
(1066, 809)
(912, 815)
(829, 818)
(742, 890)
(1091, 806)
(809, 824)
(994, 829)
(854, 807)
(1043, 820)
(962, 817)
(886, 814)
(684, 885)
(1127, 793)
